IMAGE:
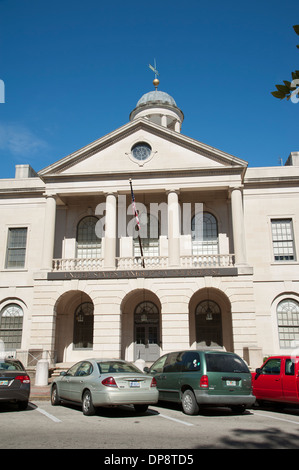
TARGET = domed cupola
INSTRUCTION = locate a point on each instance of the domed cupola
(159, 107)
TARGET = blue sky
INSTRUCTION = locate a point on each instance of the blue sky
(73, 71)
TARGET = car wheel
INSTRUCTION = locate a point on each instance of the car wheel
(238, 409)
(54, 396)
(141, 408)
(22, 405)
(87, 405)
(189, 403)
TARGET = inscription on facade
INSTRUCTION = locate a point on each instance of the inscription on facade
(146, 273)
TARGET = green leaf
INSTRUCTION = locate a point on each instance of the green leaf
(278, 94)
(283, 89)
(296, 28)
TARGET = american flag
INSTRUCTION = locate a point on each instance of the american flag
(134, 206)
(137, 223)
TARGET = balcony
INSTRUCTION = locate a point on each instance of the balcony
(146, 262)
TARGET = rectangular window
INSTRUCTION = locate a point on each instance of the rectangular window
(16, 248)
(283, 240)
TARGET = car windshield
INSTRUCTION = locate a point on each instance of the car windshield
(225, 363)
(108, 367)
(10, 365)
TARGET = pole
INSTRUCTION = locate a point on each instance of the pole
(137, 222)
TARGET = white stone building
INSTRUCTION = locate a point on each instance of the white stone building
(220, 248)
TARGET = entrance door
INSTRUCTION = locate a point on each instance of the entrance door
(147, 341)
(208, 325)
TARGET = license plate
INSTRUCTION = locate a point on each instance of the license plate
(231, 383)
(3, 382)
(135, 384)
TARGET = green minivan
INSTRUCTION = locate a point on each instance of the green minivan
(201, 377)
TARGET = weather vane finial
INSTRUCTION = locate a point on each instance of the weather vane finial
(154, 69)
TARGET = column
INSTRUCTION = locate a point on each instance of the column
(173, 228)
(238, 226)
(110, 231)
(177, 126)
(49, 232)
(164, 120)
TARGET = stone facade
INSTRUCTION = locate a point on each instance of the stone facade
(234, 284)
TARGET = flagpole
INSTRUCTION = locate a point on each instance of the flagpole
(137, 222)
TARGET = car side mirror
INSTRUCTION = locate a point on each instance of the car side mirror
(258, 372)
(146, 370)
(63, 373)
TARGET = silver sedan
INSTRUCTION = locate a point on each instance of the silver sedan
(104, 382)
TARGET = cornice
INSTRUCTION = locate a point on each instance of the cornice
(130, 128)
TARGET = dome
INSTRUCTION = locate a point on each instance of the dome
(160, 108)
(158, 97)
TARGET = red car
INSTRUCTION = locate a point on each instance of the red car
(277, 380)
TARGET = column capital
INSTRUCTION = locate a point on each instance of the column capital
(172, 190)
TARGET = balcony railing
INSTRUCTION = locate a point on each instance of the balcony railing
(150, 262)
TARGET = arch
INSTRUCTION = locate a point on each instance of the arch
(204, 233)
(287, 312)
(66, 308)
(89, 245)
(283, 337)
(214, 301)
(11, 326)
(141, 326)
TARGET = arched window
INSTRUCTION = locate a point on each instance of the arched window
(288, 323)
(204, 232)
(149, 234)
(88, 244)
(11, 325)
(83, 326)
(208, 324)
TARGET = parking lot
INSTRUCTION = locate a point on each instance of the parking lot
(43, 426)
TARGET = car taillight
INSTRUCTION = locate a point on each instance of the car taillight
(24, 379)
(109, 382)
(154, 382)
(204, 381)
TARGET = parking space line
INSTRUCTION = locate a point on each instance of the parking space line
(45, 413)
(174, 419)
(274, 417)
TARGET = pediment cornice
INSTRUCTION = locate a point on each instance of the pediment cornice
(227, 161)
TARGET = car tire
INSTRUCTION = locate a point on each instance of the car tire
(141, 408)
(189, 403)
(87, 404)
(238, 409)
(22, 405)
(54, 396)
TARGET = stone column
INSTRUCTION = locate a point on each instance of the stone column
(173, 228)
(164, 120)
(110, 231)
(238, 226)
(49, 232)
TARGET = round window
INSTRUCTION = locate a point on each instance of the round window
(141, 151)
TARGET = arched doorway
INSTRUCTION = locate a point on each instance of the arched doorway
(146, 331)
(141, 330)
(208, 324)
(74, 326)
(210, 320)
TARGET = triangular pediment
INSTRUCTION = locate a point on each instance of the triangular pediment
(170, 151)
